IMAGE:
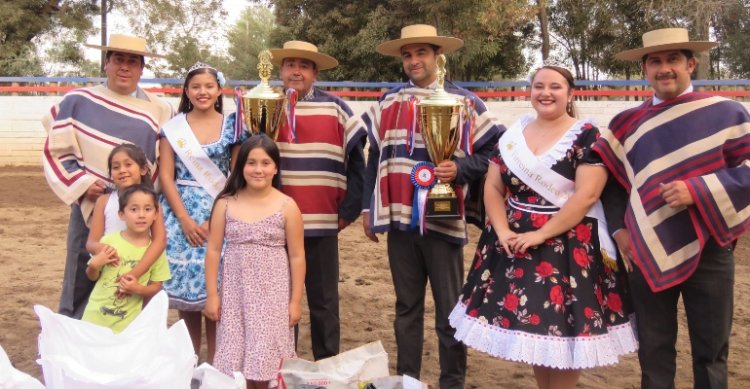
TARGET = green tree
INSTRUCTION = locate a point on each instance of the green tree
(733, 30)
(23, 22)
(582, 30)
(494, 31)
(183, 30)
(248, 37)
(629, 20)
(700, 17)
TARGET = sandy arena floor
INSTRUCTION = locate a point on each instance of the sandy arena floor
(33, 224)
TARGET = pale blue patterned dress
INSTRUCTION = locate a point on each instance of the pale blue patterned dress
(187, 288)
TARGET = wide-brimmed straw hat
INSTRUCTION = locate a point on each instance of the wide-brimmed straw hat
(126, 44)
(304, 50)
(662, 40)
(419, 33)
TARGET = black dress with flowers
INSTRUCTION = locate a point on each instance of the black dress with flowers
(561, 304)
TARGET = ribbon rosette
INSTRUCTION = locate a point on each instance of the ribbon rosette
(423, 179)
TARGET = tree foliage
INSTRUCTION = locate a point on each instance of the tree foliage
(184, 31)
(23, 21)
(733, 31)
(498, 34)
(494, 32)
(248, 37)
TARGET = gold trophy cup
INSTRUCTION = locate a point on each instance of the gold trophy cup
(439, 117)
(262, 106)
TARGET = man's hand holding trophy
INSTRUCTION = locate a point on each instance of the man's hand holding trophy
(441, 117)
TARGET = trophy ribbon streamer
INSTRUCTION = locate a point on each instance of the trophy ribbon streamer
(412, 125)
(469, 127)
(238, 114)
(291, 119)
(423, 178)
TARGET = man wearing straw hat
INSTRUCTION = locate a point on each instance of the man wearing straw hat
(82, 129)
(322, 168)
(682, 158)
(435, 253)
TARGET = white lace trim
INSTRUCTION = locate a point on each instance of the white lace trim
(557, 152)
(551, 351)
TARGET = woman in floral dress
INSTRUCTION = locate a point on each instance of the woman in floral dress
(545, 287)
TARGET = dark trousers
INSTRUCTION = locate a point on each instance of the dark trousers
(322, 287)
(414, 260)
(708, 299)
(76, 286)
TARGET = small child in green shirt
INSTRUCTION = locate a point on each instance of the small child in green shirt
(124, 250)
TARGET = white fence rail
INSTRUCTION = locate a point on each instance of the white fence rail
(22, 136)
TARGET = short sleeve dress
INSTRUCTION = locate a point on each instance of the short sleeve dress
(187, 288)
(560, 305)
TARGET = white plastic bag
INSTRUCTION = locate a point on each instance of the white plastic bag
(10, 378)
(82, 355)
(210, 378)
(393, 382)
(338, 372)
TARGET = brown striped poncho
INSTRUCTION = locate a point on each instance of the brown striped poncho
(84, 128)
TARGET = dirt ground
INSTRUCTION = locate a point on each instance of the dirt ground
(33, 225)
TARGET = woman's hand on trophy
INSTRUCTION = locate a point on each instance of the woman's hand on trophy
(446, 171)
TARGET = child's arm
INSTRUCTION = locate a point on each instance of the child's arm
(96, 228)
(196, 235)
(213, 253)
(295, 244)
(154, 250)
(130, 285)
(106, 256)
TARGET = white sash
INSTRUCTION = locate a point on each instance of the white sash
(189, 150)
(543, 180)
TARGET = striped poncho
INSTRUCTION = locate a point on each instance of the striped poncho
(84, 127)
(322, 169)
(388, 191)
(701, 139)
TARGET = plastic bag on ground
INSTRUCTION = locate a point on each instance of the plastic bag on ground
(82, 355)
(210, 378)
(10, 378)
(393, 382)
(343, 371)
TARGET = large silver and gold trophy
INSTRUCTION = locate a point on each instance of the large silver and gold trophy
(440, 119)
(262, 106)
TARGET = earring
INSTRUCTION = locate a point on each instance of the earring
(569, 107)
(189, 105)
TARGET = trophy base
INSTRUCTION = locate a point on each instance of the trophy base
(441, 208)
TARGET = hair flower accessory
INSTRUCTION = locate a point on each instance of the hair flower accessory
(221, 79)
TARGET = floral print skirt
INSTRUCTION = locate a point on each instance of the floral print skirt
(562, 304)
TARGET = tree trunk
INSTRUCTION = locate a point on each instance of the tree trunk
(543, 28)
(702, 25)
(104, 32)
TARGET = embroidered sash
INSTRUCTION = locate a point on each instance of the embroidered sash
(189, 150)
(549, 184)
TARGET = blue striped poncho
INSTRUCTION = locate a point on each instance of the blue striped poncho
(701, 139)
